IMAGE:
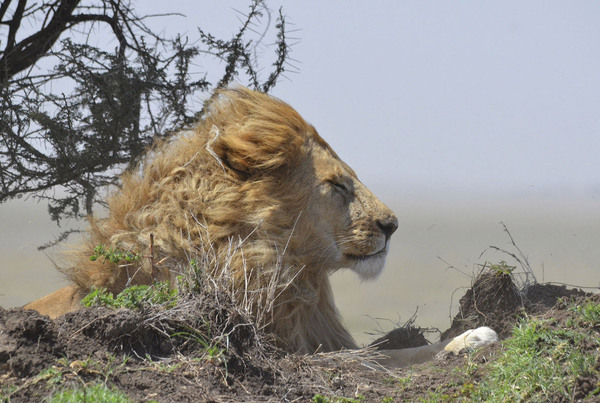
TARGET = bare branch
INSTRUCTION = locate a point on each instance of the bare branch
(18, 57)
(3, 9)
(14, 25)
(121, 99)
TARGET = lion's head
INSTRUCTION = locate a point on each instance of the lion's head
(346, 225)
(253, 178)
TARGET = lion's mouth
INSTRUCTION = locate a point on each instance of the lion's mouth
(380, 253)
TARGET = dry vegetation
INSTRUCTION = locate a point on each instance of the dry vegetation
(199, 345)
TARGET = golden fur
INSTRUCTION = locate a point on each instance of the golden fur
(252, 177)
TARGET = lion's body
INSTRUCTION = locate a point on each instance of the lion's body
(252, 187)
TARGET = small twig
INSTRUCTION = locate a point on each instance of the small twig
(214, 130)
(151, 257)
(573, 285)
(64, 235)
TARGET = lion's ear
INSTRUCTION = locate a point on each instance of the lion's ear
(266, 134)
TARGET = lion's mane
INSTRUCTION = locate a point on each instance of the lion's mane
(230, 191)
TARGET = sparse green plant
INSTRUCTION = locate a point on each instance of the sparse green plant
(114, 255)
(471, 366)
(134, 297)
(6, 391)
(467, 389)
(166, 367)
(113, 365)
(212, 346)
(52, 375)
(195, 266)
(318, 398)
(96, 392)
(436, 396)
(524, 278)
(65, 370)
(402, 383)
(98, 296)
(106, 368)
(589, 313)
(193, 277)
(501, 268)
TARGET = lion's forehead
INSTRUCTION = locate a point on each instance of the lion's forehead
(339, 175)
(364, 204)
(328, 166)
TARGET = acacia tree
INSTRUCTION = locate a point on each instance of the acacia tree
(74, 113)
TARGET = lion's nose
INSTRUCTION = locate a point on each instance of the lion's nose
(388, 225)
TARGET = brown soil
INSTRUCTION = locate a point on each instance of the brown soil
(168, 361)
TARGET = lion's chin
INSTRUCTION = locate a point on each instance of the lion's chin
(368, 267)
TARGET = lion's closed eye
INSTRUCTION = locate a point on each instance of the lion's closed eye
(341, 188)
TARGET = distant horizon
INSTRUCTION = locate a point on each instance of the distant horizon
(560, 236)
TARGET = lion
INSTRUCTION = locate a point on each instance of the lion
(252, 176)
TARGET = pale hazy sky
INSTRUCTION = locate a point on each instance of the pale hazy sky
(469, 96)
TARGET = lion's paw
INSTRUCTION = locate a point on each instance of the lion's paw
(472, 339)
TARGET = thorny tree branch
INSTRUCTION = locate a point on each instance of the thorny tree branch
(66, 147)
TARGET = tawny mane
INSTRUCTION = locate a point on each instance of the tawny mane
(231, 189)
(266, 208)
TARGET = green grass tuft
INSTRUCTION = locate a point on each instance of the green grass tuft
(539, 363)
(589, 313)
(134, 297)
(97, 392)
(114, 255)
(324, 399)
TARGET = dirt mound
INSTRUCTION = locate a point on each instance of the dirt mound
(206, 349)
(495, 301)
(402, 337)
(28, 342)
(225, 341)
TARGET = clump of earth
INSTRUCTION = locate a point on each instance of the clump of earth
(205, 349)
